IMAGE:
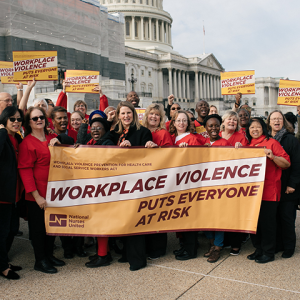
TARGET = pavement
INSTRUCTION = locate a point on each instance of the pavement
(232, 277)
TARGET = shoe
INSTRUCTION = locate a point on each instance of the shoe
(44, 266)
(179, 251)
(10, 275)
(15, 268)
(264, 259)
(209, 252)
(68, 254)
(91, 257)
(132, 268)
(100, 261)
(254, 255)
(123, 260)
(246, 239)
(20, 233)
(153, 257)
(184, 256)
(80, 252)
(288, 253)
(235, 252)
(55, 261)
(215, 255)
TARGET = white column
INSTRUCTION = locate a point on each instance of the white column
(160, 83)
(183, 85)
(196, 86)
(162, 31)
(175, 84)
(170, 82)
(215, 87)
(211, 87)
(219, 88)
(150, 29)
(188, 86)
(204, 86)
(157, 31)
(207, 87)
(179, 85)
(170, 34)
(133, 28)
(201, 86)
(142, 28)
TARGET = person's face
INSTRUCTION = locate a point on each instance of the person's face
(97, 131)
(153, 118)
(298, 110)
(76, 121)
(213, 128)
(212, 111)
(42, 105)
(230, 123)
(50, 107)
(5, 101)
(276, 121)
(238, 96)
(174, 108)
(60, 121)
(133, 98)
(38, 123)
(13, 125)
(192, 118)
(202, 109)
(80, 107)
(181, 123)
(255, 130)
(126, 116)
(246, 106)
(244, 118)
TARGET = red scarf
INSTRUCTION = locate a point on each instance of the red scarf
(257, 142)
(123, 136)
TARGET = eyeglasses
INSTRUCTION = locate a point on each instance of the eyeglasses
(8, 101)
(36, 118)
(176, 108)
(276, 119)
(96, 128)
(15, 119)
(181, 121)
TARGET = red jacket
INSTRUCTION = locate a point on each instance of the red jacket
(236, 137)
(220, 142)
(162, 138)
(188, 138)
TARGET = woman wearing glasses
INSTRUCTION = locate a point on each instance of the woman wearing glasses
(10, 186)
(34, 161)
(180, 128)
(282, 132)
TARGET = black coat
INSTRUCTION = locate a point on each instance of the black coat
(291, 176)
(135, 137)
(8, 167)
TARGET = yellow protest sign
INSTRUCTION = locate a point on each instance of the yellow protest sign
(238, 82)
(140, 112)
(7, 72)
(41, 65)
(289, 92)
(111, 191)
(82, 81)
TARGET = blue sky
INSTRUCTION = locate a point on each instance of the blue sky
(243, 35)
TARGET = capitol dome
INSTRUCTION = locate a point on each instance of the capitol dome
(147, 25)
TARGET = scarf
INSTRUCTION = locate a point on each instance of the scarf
(278, 136)
(123, 136)
(258, 141)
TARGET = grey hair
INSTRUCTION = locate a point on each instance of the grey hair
(38, 100)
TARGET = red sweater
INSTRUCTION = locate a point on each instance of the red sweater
(220, 142)
(33, 164)
(162, 138)
(237, 137)
(272, 187)
(189, 138)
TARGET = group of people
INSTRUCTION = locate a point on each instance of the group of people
(25, 135)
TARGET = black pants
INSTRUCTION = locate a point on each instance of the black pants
(190, 242)
(9, 226)
(156, 244)
(286, 217)
(42, 243)
(135, 247)
(234, 239)
(265, 238)
(71, 243)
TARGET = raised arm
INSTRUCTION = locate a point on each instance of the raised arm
(24, 100)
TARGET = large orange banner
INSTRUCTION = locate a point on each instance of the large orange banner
(289, 92)
(238, 82)
(41, 65)
(112, 191)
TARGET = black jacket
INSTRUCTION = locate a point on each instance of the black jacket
(135, 137)
(291, 176)
(8, 167)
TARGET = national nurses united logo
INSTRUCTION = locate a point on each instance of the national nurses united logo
(58, 220)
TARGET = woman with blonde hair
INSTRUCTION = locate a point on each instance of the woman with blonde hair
(230, 130)
(154, 120)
